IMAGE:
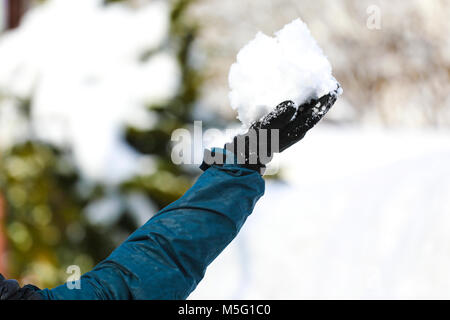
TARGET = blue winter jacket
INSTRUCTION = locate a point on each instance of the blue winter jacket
(167, 257)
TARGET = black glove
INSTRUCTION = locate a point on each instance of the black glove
(286, 124)
(306, 117)
(11, 290)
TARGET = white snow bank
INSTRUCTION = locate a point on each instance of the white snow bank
(270, 70)
(364, 214)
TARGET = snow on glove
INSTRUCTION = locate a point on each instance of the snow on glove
(11, 290)
(306, 117)
(274, 133)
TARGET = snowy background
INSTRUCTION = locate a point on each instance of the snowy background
(364, 210)
(87, 81)
(362, 214)
(363, 206)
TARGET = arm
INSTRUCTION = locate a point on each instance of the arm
(168, 256)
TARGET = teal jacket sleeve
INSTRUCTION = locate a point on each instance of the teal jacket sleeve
(167, 257)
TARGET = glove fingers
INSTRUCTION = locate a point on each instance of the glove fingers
(310, 113)
(278, 118)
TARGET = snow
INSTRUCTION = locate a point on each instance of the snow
(363, 214)
(270, 70)
(80, 64)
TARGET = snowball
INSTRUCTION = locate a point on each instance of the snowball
(270, 70)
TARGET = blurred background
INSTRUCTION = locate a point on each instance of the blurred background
(90, 92)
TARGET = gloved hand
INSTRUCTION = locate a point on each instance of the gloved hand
(306, 117)
(286, 124)
(11, 290)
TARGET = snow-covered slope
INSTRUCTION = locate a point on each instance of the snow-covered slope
(364, 214)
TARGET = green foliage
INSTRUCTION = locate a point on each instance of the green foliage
(46, 228)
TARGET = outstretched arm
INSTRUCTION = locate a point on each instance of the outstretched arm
(168, 256)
